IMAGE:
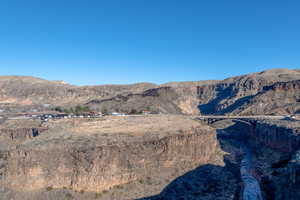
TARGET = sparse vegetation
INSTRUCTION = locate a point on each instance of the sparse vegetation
(135, 112)
(105, 191)
(141, 181)
(78, 110)
(58, 109)
(49, 188)
(104, 111)
(69, 196)
(73, 110)
(119, 187)
(98, 195)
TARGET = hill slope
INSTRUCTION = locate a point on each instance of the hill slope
(230, 94)
(30, 90)
(254, 93)
(280, 98)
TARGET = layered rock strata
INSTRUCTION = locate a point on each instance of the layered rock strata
(276, 145)
(112, 152)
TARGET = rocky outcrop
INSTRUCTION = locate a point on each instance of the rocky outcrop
(280, 98)
(84, 165)
(252, 94)
(276, 146)
(272, 135)
(268, 154)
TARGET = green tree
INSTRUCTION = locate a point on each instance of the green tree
(133, 112)
(104, 111)
(58, 109)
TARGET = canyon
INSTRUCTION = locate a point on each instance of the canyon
(233, 139)
(149, 158)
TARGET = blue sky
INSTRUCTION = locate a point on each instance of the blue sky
(126, 41)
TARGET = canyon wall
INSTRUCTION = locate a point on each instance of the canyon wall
(276, 136)
(81, 166)
(277, 148)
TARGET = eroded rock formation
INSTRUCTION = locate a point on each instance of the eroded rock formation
(102, 158)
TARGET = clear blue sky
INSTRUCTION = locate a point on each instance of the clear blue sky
(126, 41)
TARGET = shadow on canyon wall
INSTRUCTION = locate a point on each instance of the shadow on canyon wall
(205, 182)
(223, 93)
(210, 107)
(210, 182)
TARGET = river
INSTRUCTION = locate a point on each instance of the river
(252, 190)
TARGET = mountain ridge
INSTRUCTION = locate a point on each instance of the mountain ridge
(190, 97)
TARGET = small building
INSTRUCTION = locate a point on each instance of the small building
(117, 114)
(146, 112)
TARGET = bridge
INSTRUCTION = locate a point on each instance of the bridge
(209, 119)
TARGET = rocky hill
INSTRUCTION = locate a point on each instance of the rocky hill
(166, 99)
(236, 95)
(246, 94)
(31, 92)
(280, 98)
(231, 94)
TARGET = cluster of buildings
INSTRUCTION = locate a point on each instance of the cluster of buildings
(56, 115)
(46, 117)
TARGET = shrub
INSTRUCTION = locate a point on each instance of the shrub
(69, 196)
(77, 110)
(98, 195)
(133, 112)
(49, 188)
(58, 109)
(104, 111)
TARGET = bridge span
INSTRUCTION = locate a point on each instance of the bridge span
(251, 119)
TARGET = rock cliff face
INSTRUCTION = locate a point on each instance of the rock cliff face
(279, 98)
(277, 135)
(95, 160)
(151, 158)
(252, 94)
(277, 163)
(274, 149)
(100, 168)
